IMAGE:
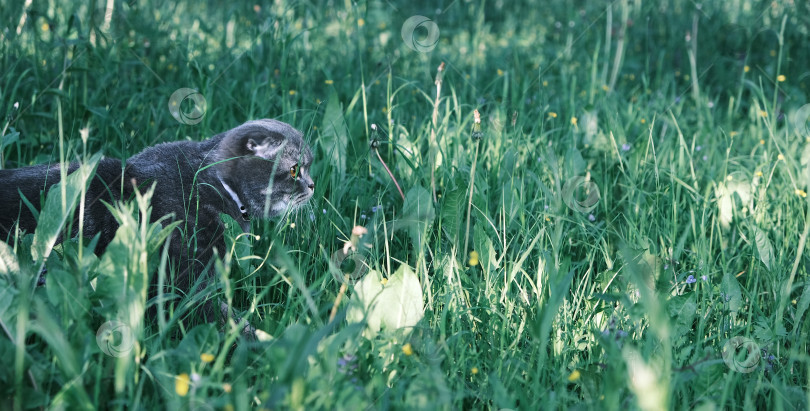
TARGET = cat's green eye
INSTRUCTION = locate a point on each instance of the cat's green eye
(294, 171)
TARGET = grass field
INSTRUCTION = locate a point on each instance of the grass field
(624, 228)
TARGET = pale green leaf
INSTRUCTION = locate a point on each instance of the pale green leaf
(57, 209)
(732, 293)
(418, 214)
(334, 137)
(764, 247)
(396, 305)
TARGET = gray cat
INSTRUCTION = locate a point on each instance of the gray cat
(259, 169)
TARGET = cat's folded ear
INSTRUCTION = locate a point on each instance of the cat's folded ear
(252, 139)
(266, 147)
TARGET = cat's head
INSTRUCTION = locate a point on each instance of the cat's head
(266, 162)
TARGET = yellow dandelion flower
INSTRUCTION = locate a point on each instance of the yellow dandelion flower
(384, 281)
(474, 370)
(758, 173)
(733, 133)
(780, 78)
(552, 114)
(548, 219)
(643, 121)
(800, 193)
(206, 357)
(763, 113)
(361, 22)
(574, 376)
(573, 121)
(605, 87)
(45, 26)
(761, 142)
(329, 81)
(780, 157)
(407, 349)
(292, 92)
(500, 72)
(473, 258)
(227, 387)
(746, 69)
(181, 384)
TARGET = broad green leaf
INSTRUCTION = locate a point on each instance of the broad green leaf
(9, 267)
(732, 294)
(682, 310)
(65, 292)
(418, 214)
(9, 139)
(764, 247)
(393, 306)
(451, 213)
(574, 164)
(57, 209)
(334, 138)
(801, 307)
(483, 245)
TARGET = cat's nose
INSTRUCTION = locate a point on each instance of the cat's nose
(311, 186)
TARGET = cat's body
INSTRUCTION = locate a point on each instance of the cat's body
(259, 169)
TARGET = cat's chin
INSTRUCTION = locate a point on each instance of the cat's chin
(282, 207)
